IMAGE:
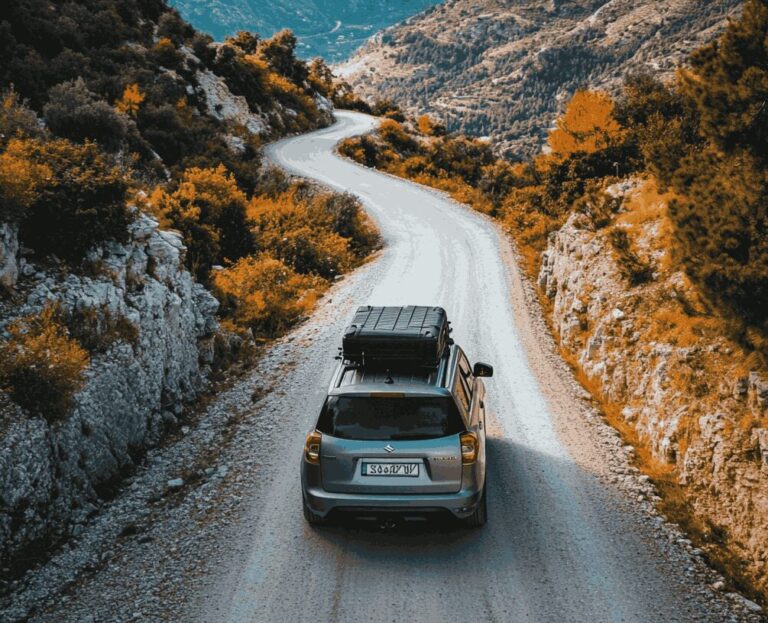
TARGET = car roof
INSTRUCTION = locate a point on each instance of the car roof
(351, 379)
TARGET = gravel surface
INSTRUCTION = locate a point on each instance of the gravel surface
(211, 529)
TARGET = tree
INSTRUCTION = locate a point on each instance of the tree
(279, 52)
(728, 81)
(587, 125)
(131, 100)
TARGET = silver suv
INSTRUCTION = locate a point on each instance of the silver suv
(410, 442)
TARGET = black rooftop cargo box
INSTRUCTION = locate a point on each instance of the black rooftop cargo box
(397, 336)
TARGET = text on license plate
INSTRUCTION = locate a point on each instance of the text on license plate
(391, 469)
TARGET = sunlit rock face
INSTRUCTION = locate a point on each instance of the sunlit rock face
(688, 395)
(53, 475)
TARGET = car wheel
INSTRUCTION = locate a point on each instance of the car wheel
(480, 516)
(311, 518)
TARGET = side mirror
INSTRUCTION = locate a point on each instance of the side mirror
(482, 369)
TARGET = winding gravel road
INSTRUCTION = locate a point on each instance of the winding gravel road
(559, 545)
(573, 535)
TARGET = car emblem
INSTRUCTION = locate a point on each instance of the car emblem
(389, 448)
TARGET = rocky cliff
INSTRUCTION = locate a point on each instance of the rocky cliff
(157, 326)
(656, 357)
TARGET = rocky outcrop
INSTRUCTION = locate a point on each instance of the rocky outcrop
(658, 360)
(9, 249)
(158, 326)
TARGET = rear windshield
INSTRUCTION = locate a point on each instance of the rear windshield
(380, 419)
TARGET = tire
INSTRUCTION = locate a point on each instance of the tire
(480, 516)
(311, 518)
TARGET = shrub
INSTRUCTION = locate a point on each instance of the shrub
(349, 220)
(41, 367)
(265, 295)
(285, 228)
(98, 329)
(210, 211)
(394, 134)
(16, 119)
(429, 126)
(721, 219)
(633, 268)
(20, 179)
(131, 100)
(76, 113)
(81, 203)
(164, 53)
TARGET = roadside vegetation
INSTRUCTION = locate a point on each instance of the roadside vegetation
(104, 110)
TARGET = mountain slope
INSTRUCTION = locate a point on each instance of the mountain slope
(505, 68)
(326, 28)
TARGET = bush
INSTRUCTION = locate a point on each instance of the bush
(285, 228)
(320, 233)
(16, 119)
(41, 367)
(264, 295)
(633, 268)
(76, 113)
(20, 179)
(587, 125)
(81, 203)
(210, 211)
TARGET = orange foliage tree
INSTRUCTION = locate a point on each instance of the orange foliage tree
(587, 125)
(210, 211)
(131, 100)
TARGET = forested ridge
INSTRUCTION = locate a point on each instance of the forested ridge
(506, 69)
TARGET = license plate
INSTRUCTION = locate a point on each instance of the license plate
(391, 469)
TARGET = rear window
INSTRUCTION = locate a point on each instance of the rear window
(388, 419)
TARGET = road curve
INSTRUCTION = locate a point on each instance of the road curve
(559, 546)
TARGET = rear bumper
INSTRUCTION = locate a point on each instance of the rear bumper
(460, 504)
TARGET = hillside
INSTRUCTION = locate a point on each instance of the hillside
(505, 68)
(144, 246)
(326, 28)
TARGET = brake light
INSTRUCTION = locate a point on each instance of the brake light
(469, 447)
(312, 448)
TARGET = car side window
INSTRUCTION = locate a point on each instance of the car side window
(466, 375)
(462, 394)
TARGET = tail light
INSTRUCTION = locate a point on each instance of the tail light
(312, 448)
(469, 447)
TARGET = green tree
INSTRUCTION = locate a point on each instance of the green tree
(728, 81)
